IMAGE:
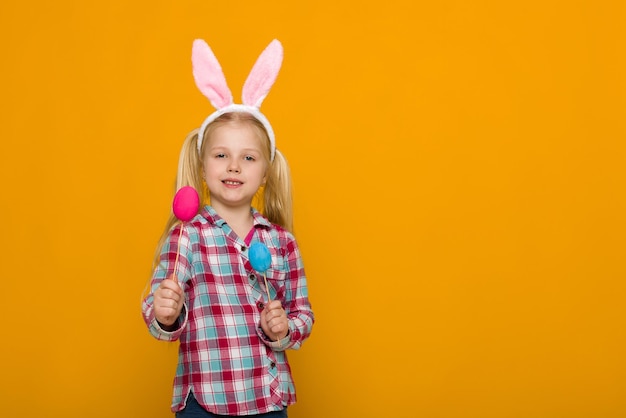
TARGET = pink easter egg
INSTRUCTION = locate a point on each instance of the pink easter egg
(186, 203)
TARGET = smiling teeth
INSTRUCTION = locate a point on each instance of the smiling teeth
(232, 182)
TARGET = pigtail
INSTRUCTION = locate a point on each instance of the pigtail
(190, 166)
(277, 199)
(189, 174)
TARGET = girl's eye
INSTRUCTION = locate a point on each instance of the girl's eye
(249, 158)
(220, 156)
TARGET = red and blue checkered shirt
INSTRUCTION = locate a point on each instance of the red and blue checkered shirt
(224, 356)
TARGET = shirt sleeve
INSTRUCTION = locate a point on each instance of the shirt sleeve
(163, 271)
(297, 305)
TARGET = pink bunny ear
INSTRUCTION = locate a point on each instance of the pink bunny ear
(263, 75)
(209, 75)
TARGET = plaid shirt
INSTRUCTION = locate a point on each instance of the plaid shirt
(224, 356)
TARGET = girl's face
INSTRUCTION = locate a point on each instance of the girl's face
(233, 165)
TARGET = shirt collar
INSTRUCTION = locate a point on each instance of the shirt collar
(212, 217)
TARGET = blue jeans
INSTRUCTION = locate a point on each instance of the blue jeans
(195, 410)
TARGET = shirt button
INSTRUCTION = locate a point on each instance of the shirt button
(272, 365)
(251, 276)
(243, 248)
(260, 305)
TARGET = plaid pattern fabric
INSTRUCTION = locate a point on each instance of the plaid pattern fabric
(224, 356)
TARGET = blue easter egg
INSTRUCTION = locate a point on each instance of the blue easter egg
(260, 257)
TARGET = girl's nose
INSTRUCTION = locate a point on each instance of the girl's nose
(233, 168)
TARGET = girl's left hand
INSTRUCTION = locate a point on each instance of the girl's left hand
(274, 321)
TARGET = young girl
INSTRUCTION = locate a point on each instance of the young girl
(204, 291)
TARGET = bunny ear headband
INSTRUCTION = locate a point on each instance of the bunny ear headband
(212, 83)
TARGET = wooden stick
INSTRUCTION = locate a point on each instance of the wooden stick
(180, 234)
(267, 288)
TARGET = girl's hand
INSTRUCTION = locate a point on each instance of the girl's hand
(274, 321)
(168, 302)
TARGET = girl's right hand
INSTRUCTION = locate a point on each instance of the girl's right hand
(168, 302)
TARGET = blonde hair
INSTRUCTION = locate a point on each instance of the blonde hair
(276, 196)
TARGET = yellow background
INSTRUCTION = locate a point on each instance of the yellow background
(459, 171)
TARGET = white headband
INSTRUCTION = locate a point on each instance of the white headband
(211, 82)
